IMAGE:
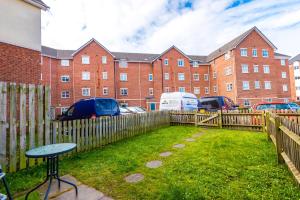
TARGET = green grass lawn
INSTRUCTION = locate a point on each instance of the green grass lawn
(221, 164)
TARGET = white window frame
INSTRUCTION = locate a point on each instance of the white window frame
(104, 59)
(215, 89)
(247, 103)
(243, 52)
(284, 87)
(196, 77)
(265, 51)
(84, 90)
(181, 89)
(282, 62)
(195, 64)
(283, 75)
(122, 91)
(167, 76)
(180, 62)
(214, 75)
(254, 54)
(196, 90)
(229, 87)
(63, 109)
(65, 63)
(246, 83)
(228, 71)
(64, 77)
(85, 60)
(123, 77)
(266, 69)
(104, 75)
(206, 77)
(151, 92)
(167, 89)
(256, 84)
(255, 68)
(150, 77)
(206, 90)
(123, 63)
(245, 68)
(105, 91)
(181, 77)
(86, 76)
(166, 61)
(268, 83)
(64, 95)
(227, 55)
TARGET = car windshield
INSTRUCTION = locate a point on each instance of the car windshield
(124, 110)
(282, 106)
(133, 109)
(294, 105)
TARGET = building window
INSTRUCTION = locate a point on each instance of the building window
(268, 85)
(266, 69)
(123, 63)
(64, 109)
(246, 85)
(65, 78)
(105, 91)
(104, 76)
(86, 92)
(245, 68)
(215, 89)
(285, 88)
(228, 71)
(123, 77)
(167, 76)
(268, 100)
(265, 53)
(227, 55)
(150, 77)
(85, 60)
(297, 77)
(206, 90)
(255, 68)
(196, 77)
(254, 52)
(65, 94)
(166, 62)
(244, 52)
(104, 60)
(286, 100)
(167, 89)
(195, 64)
(85, 76)
(247, 103)
(181, 89)
(196, 90)
(214, 75)
(297, 87)
(296, 67)
(283, 74)
(229, 87)
(124, 91)
(181, 76)
(206, 77)
(180, 62)
(150, 91)
(282, 62)
(65, 63)
(256, 84)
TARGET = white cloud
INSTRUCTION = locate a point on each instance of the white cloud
(153, 26)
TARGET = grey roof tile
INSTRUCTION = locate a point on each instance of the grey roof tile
(296, 58)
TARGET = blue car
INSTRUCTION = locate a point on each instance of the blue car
(91, 108)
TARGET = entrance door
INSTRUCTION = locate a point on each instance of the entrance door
(152, 106)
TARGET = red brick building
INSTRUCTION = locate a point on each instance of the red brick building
(246, 69)
(20, 40)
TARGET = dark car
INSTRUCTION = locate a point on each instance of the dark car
(214, 103)
(92, 108)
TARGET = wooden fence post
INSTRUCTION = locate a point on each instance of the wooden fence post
(3, 124)
(278, 140)
(263, 122)
(196, 124)
(220, 118)
(267, 124)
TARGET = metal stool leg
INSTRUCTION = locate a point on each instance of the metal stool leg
(6, 188)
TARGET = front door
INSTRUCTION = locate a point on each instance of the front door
(152, 106)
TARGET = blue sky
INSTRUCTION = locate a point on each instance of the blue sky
(195, 26)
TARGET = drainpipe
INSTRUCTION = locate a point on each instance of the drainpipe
(115, 83)
(140, 84)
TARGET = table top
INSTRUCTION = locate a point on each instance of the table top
(50, 150)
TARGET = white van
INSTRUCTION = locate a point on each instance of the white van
(178, 101)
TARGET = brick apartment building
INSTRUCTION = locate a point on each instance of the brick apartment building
(295, 77)
(246, 69)
(20, 40)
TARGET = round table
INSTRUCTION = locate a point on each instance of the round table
(51, 153)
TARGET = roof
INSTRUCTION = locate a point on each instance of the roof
(235, 42)
(281, 56)
(296, 58)
(172, 47)
(57, 53)
(38, 3)
(146, 57)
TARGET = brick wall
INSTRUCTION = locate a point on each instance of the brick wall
(19, 64)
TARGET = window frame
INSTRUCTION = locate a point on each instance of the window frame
(197, 75)
(285, 88)
(65, 96)
(123, 75)
(265, 82)
(86, 89)
(181, 76)
(206, 77)
(83, 57)
(166, 61)
(243, 67)
(206, 90)
(181, 88)
(254, 55)
(65, 76)
(243, 50)
(255, 85)
(262, 52)
(180, 61)
(124, 89)
(64, 61)
(150, 91)
(166, 77)
(105, 89)
(244, 83)
(104, 75)
(104, 59)
(283, 75)
(198, 89)
(150, 75)
(229, 89)
(255, 67)
(88, 78)
(267, 67)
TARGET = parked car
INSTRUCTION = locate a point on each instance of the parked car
(125, 111)
(272, 106)
(92, 108)
(136, 109)
(178, 101)
(214, 103)
(294, 106)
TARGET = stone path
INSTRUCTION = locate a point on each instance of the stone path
(179, 146)
(154, 164)
(134, 178)
(190, 140)
(67, 192)
(197, 135)
(165, 154)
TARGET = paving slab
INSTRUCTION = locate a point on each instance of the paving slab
(179, 146)
(154, 164)
(165, 154)
(134, 178)
(197, 135)
(84, 193)
(190, 140)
